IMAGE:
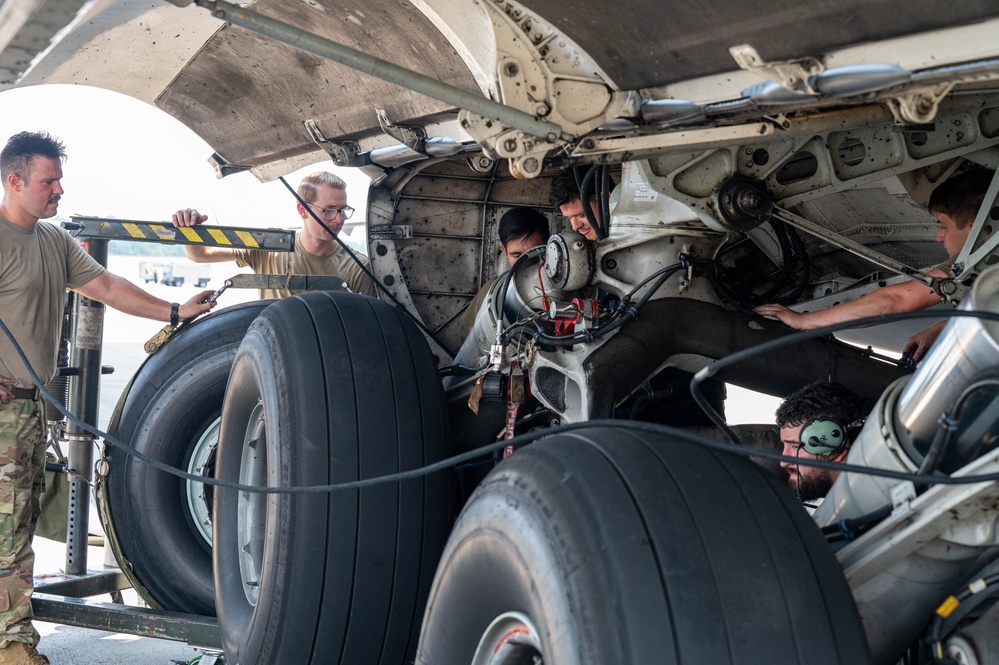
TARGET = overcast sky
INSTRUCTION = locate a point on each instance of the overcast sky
(128, 159)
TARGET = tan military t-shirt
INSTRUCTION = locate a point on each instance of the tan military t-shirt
(472, 311)
(300, 262)
(36, 267)
(946, 266)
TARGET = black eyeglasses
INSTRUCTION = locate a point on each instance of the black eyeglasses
(344, 212)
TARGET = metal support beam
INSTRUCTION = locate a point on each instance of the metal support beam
(384, 70)
(85, 586)
(290, 282)
(87, 228)
(84, 400)
(195, 630)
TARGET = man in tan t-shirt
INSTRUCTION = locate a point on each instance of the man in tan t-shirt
(38, 262)
(316, 251)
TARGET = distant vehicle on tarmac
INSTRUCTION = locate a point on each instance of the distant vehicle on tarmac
(175, 274)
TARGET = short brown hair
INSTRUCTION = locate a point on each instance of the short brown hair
(16, 155)
(960, 196)
(819, 400)
(307, 188)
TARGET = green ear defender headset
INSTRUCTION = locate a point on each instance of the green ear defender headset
(822, 436)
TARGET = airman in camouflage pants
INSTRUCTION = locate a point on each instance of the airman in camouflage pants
(22, 475)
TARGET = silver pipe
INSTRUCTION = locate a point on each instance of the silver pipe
(966, 347)
(384, 70)
(907, 564)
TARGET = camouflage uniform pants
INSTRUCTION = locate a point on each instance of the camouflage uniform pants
(22, 476)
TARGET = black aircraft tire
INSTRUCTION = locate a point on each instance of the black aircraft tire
(611, 546)
(174, 399)
(328, 388)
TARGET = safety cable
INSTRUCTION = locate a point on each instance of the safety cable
(360, 264)
(519, 441)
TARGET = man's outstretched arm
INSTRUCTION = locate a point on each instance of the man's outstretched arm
(907, 296)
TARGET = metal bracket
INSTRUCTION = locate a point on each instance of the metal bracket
(390, 232)
(981, 248)
(344, 153)
(224, 167)
(538, 70)
(792, 74)
(902, 496)
(949, 289)
(919, 106)
(411, 137)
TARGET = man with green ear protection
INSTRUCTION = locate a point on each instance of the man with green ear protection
(817, 421)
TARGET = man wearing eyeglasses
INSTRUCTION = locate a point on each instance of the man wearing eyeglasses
(316, 251)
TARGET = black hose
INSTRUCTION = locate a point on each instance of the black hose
(948, 423)
(800, 336)
(850, 529)
(604, 192)
(584, 197)
(508, 277)
(979, 590)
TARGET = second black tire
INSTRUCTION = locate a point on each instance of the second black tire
(174, 400)
(328, 388)
(613, 546)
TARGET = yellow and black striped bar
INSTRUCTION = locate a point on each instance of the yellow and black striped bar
(274, 240)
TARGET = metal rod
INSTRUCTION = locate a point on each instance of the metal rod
(84, 399)
(384, 70)
(441, 294)
(445, 236)
(856, 248)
